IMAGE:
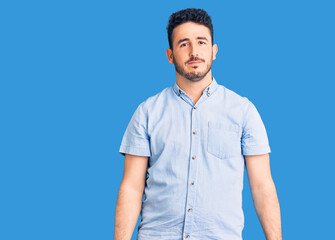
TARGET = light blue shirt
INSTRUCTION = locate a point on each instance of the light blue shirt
(194, 179)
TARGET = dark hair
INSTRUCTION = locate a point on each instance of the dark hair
(189, 15)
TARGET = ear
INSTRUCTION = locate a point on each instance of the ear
(215, 50)
(169, 55)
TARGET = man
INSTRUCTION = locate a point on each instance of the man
(193, 140)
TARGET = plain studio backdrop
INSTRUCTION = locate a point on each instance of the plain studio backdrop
(73, 72)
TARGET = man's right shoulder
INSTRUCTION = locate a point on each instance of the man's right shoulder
(158, 97)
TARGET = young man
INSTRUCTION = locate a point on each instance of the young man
(193, 139)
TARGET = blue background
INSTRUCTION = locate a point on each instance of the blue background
(73, 72)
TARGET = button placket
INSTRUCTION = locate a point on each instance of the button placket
(193, 165)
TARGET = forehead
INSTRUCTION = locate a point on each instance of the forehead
(190, 30)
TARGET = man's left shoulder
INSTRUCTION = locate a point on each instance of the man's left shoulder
(233, 97)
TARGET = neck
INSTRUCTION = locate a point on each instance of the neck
(194, 89)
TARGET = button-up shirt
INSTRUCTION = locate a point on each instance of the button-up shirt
(194, 183)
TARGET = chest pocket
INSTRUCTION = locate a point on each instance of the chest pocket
(223, 140)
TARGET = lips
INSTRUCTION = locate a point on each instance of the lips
(194, 62)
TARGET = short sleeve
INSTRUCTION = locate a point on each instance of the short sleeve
(254, 136)
(135, 140)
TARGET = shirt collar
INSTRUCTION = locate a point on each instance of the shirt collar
(209, 90)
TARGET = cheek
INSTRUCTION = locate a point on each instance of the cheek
(208, 56)
(181, 59)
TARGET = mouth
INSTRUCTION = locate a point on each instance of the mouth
(194, 62)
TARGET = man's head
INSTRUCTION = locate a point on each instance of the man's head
(190, 34)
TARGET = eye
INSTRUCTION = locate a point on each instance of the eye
(202, 43)
(183, 45)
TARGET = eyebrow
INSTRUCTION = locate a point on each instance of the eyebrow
(186, 39)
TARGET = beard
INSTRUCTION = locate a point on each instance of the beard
(194, 77)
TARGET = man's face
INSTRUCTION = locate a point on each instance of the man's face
(193, 52)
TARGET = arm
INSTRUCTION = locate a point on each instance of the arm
(264, 195)
(129, 202)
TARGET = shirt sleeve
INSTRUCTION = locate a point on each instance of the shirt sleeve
(254, 136)
(135, 140)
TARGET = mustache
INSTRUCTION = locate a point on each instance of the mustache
(195, 59)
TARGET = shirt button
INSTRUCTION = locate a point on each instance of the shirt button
(193, 157)
(195, 107)
(189, 210)
(186, 236)
(192, 183)
(194, 132)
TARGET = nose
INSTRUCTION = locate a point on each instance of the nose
(193, 51)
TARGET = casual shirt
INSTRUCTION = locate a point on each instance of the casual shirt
(195, 172)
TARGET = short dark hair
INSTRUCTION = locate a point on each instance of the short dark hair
(189, 15)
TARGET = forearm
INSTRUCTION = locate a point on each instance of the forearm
(268, 211)
(128, 208)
